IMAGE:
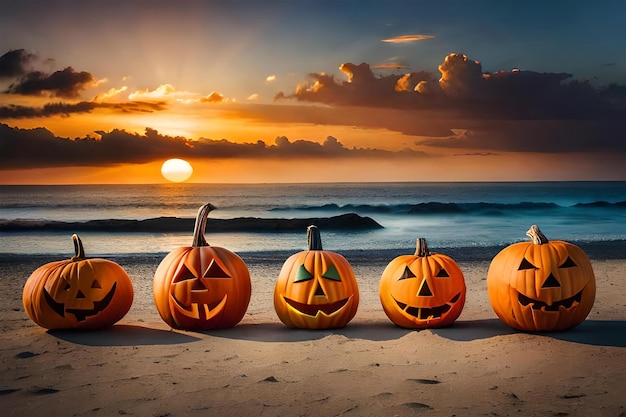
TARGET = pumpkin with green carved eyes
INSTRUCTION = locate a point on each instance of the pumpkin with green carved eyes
(316, 289)
(79, 293)
(202, 287)
(424, 290)
(541, 285)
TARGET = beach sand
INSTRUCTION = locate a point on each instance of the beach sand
(477, 367)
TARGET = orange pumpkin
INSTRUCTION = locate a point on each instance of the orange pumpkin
(541, 285)
(424, 290)
(202, 287)
(316, 289)
(78, 293)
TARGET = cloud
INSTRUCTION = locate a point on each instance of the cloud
(66, 83)
(270, 79)
(408, 38)
(213, 97)
(162, 92)
(362, 88)
(503, 111)
(464, 88)
(14, 63)
(39, 148)
(540, 136)
(113, 92)
(67, 109)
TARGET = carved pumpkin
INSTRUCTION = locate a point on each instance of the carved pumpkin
(78, 293)
(316, 289)
(425, 290)
(202, 287)
(541, 285)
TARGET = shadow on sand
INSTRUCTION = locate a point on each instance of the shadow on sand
(589, 332)
(277, 332)
(124, 335)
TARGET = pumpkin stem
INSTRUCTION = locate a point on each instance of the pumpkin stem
(79, 250)
(421, 248)
(535, 234)
(200, 226)
(314, 238)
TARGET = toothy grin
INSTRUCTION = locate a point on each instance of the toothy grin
(81, 315)
(314, 309)
(423, 313)
(540, 305)
(203, 311)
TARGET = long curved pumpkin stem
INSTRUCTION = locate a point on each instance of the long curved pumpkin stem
(314, 238)
(79, 250)
(421, 248)
(535, 234)
(200, 226)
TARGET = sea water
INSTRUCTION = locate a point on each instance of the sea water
(450, 215)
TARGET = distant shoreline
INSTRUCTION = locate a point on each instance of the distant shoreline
(349, 221)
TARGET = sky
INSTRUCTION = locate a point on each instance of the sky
(312, 91)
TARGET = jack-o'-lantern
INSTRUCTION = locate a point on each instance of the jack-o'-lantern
(202, 287)
(316, 289)
(78, 293)
(424, 290)
(541, 285)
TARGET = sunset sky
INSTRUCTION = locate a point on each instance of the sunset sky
(312, 91)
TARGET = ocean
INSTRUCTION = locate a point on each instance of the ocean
(456, 217)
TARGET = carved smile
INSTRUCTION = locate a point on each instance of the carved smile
(80, 315)
(425, 313)
(314, 309)
(540, 305)
(200, 310)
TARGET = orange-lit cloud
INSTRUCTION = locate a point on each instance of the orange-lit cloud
(113, 92)
(408, 38)
(270, 78)
(164, 92)
(213, 97)
(67, 109)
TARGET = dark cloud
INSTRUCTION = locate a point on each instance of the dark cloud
(14, 63)
(463, 87)
(38, 148)
(66, 83)
(541, 136)
(67, 109)
(363, 88)
(504, 111)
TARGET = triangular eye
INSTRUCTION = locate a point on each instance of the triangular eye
(183, 274)
(526, 265)
(215, 271)
(67, 286)
(302, 275)
(332, 274)
(407, 274)
(96, 284)
(442, 273)
(569, 263)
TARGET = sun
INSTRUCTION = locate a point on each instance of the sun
(176, 170)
